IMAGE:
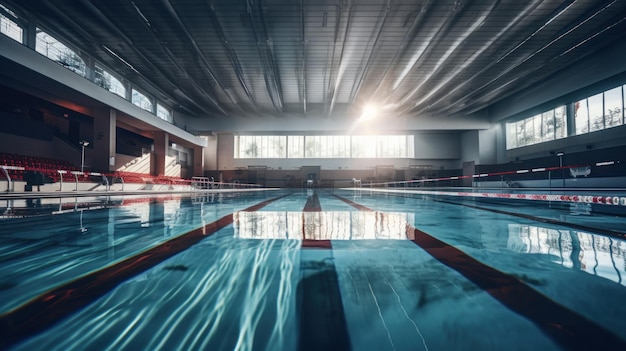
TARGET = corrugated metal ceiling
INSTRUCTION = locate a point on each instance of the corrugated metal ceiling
(220, 58)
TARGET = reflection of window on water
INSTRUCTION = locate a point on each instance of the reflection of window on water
(595, 254)
(329, 225)
(580, 208)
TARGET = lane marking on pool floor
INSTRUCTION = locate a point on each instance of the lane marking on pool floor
(322, 321)
(566, 327)
(45, 310)
(313, 205)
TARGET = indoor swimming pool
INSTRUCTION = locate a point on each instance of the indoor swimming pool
(310, 269)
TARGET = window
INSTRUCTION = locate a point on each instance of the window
(546, 126)
(164, 113)
(327, 146)
(9, 27)
(260, 146)
(613, 111)
(600, 111)
(596, 113)
(53, 49)
(109, 82)
(141, 100)
(324, 146)
(364, 146)
(394, 146)
(295, 147)
(581, 116)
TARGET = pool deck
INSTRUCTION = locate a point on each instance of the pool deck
(57, 194)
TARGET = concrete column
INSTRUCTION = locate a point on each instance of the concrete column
(104, 143)
(198, 161)
(161, 145)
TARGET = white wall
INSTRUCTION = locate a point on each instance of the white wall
(487, 145)
(437, 146)
(470, 147)
(210, 153)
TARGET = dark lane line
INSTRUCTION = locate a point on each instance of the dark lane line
(60, 302)
(313, 205)
(322, 323)
(564, 326)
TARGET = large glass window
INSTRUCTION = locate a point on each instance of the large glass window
(260, 146)
(325, 146)
(53, 49)
(613, 111)
(108, 81)
(604, 110)
(596, 113)
(141, 100)
(560, 122)
(295, 147)
(546, 126)
(581, 116)
(9, 27)
(363, 146)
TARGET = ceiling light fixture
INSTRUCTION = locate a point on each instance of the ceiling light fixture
(369, 112)
(119, 58)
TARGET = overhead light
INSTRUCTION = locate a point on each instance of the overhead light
(141, 13)
(370, 111)
(119, 58)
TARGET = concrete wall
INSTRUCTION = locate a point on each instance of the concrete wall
(470, 147)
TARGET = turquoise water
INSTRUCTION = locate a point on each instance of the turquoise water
(313, 270)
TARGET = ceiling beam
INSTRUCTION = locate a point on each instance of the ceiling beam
(402, 49)
(493, 41)
(365, 66)
(264, 46)
(190, 41)
(232, 55)
(303, 70)
(468, 99)
(336, 63)
(407, 102)
(114, 29)
(176, 64)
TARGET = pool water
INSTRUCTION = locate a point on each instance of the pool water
(310, 269)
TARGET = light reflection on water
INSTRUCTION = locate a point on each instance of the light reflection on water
(237, 290)
(213, 297)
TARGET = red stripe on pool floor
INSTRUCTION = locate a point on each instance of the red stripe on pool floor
(564, 326)
(47, 309)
